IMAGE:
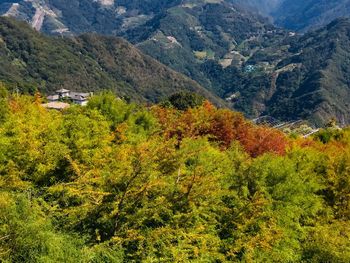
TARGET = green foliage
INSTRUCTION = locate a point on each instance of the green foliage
(3, 103)
(184, 100)
(114, 109)
(27, 234)
(118, 182)
(327, 135)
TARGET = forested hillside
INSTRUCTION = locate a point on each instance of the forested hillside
(308, 77)
(186, 36)
(116, 182)
(31, 61)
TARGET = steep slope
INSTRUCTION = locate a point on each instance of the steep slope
(186, 36)
(306, 14)
(305, 77)
(79, 16)
(181, 34)
(323, 90)
(89, 62)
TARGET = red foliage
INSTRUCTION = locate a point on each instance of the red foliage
(221, 125)
(258, 140)
(225, 126)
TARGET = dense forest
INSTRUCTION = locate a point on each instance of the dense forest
(119, 182)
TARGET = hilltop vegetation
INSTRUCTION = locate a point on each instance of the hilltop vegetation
(31, 61)
(116, 182)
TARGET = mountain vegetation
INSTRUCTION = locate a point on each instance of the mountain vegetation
(31, 61)
(258, 68)
(118, 182)
(237, 55)
(309, 77)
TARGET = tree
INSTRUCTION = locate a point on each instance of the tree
(184, 100)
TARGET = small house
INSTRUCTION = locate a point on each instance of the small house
(80, 98)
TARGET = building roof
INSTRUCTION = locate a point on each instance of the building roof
(53, 97)
(62, 91)
(56, 105)
(79, 96)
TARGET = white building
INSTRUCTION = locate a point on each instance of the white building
(63, 93)
(79, 98)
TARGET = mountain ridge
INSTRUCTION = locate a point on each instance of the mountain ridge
(89, 62)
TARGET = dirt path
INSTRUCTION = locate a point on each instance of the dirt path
(13, 10)
(38, 19)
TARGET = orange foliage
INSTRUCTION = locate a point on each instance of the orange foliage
(221, 125)
(14, 105)
(37, 98)
(258, 140)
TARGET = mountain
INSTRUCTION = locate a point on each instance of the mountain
(88, 63)
(237, 55)
(80, 16)
(264, 7)
(260, 69)
(305, 14)
(306, 77)
(186, 36)
(300, 15)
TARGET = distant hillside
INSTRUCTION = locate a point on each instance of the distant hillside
(186, 36)
(306, 14)
(301, 15)
(309, 79)
(321, 87)
(30, 60)
(265, 7)
(79, 16)
(180, 33)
